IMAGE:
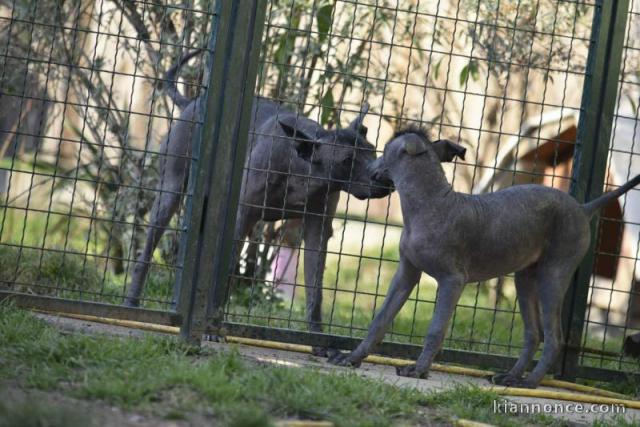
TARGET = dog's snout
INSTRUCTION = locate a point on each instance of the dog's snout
(381, 183)
(378, 172)
(376, 175)
(374, 168)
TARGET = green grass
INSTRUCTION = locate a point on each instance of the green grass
(47, 272)
(618, 421)
(163, 377)
(630, 386)
(55, 272)
(37, 414)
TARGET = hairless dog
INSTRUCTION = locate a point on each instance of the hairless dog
(538, 232)
(294, 169)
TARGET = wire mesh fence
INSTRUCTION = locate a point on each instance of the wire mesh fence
(82, 120)
(98, 156)
(503, 78)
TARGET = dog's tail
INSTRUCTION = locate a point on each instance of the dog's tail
(170, 80)
(595, 205)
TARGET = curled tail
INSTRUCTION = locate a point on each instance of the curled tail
(170, 81)
(593, 206)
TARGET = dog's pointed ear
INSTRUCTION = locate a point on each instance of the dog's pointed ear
(357, 123)
(415, 146)
(304, 132)
(447, 150)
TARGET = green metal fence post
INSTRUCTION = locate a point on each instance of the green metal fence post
(590, 159)
(227, 107)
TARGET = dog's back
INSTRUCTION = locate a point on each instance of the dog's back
(516, 226)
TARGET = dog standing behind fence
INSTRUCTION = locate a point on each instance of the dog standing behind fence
(294, 169)
(538, 232)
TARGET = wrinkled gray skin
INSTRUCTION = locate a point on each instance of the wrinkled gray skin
(537, 232)
(294, 169)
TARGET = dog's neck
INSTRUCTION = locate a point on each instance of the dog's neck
(422, 186)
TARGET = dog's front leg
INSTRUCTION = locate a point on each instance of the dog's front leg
(317, 231)
(449, 291)
(403, 282)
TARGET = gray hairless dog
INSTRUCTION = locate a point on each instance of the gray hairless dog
(294, 169)
(538, 232)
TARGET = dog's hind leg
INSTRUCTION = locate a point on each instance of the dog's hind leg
(528, 300)
(164, 207)
(553, 277)
(174, 166)
(554, 271)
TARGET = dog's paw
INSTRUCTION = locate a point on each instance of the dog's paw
(324, 351)
(509, 380)
(339, 358)
(411, 371)
(505, 379)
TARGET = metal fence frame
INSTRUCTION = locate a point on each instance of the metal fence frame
(224, 141)
(590, 160)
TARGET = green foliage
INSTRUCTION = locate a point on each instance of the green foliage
(471, 69)
(515, 35)
(323, 17)
(318, 53)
